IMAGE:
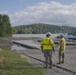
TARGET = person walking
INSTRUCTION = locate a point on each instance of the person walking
(47, 46)
(62, 46)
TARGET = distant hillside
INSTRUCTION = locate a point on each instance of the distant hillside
(43, 28)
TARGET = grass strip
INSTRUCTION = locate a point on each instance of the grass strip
(11, 63)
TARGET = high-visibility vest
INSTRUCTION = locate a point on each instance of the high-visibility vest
(63, 46)
(47, 43)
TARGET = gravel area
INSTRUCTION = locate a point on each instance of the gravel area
(70, 61)
(36, 58)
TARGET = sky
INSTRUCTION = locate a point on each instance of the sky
(25, 12)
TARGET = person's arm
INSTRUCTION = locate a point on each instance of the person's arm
(53, 49)
(53, 45)
(42, 48)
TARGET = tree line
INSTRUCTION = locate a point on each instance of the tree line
(43, 28)
(37, 28)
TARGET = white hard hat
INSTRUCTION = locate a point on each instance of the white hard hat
(61, 35)
(48, 33)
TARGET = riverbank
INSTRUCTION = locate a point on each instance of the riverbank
(36, 59)
(11, 63)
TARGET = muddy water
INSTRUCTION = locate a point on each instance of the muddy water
(7, 45)
(17, 47)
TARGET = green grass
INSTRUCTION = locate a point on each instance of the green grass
(11, 63)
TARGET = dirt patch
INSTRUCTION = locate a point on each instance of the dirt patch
(3, 59)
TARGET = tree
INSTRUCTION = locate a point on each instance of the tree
(14, 30)
(5, 26)
(28, 30)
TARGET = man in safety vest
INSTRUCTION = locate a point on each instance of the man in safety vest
(47, 45)
(62, 46)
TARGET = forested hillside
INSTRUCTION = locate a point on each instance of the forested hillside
(43, 28)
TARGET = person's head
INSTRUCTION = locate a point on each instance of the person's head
(48, 34)
(61, 36)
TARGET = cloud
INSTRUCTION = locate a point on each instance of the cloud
(46, 12)
(5, 12)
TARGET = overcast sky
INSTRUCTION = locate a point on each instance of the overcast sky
(23, 12)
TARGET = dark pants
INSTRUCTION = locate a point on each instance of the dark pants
(48, 57)
(61, 55)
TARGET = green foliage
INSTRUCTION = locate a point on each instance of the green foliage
(5, 26)
(28, 30)
(43, 28)
(14, 30)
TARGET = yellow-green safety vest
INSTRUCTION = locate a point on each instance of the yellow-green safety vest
(63, 45)
(47, 43)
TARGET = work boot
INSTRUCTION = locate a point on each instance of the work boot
(50, 67)
(62, 62)
(46, 67)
